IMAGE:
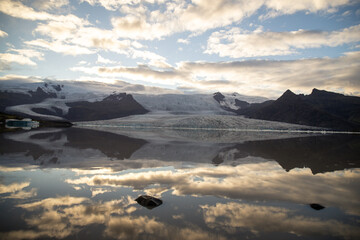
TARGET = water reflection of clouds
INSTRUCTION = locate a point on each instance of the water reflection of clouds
(65, 216)
(261, 181)
(232, 216)
(16, 190)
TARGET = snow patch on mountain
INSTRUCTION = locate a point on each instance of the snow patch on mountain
(235, 101)
(28, 110)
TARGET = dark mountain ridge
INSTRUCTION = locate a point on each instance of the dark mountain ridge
(8, 98)
(320, 108)
(113, 106)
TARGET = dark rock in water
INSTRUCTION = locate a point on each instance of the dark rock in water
(148, 201)
(316, 206)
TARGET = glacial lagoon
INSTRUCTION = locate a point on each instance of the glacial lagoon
(81, 183)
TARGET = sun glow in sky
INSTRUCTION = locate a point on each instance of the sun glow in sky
(257, 47)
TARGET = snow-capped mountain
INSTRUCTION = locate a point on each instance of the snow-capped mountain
(86, 101)
(235, 101)
(72, 101)
(180, 103)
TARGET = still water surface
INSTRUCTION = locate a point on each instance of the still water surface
(82, 183)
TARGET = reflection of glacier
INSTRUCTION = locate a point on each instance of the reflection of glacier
(87, 148)
(178, 151)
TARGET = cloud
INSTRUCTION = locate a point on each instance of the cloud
(141, 72)
(237, 43)
(19, 56)
(100, 59)
(18, 10)
(49, 4)
(74, 36)
(3, 34)
(184, 41)
(198, 16)
(265, 219)
(7, 58)
(59, 47)
(111, 5)
(269, 78)
(281, 7)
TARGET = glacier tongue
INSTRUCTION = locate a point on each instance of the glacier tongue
(197, 121)
(180, 103)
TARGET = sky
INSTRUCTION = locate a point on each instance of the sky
(257, 47)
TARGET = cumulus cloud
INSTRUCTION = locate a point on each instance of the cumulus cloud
(49, 4)
(237, 43)
(7, 58)
(101, 59)
(72, 35)
(198, 16)
(19, 56)
(184, 41)
(280, 7)
(3, 34)
(18, 10)
(76, 37)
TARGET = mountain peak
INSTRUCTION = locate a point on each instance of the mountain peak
(116, 97)
(218, 97)
(288, 94)
(322, 93)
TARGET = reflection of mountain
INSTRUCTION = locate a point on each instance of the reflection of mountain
(112, 145)
(49, 146)
(320, 154)
(8, 146)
